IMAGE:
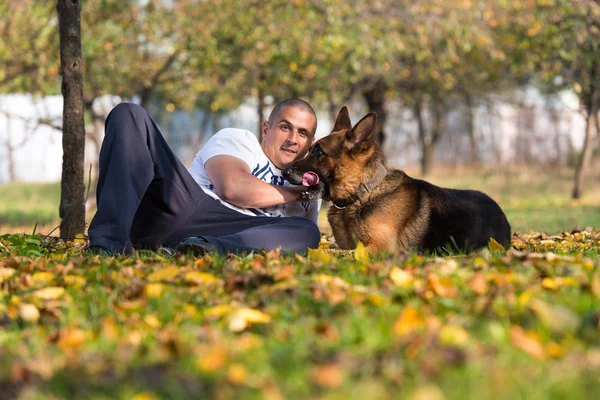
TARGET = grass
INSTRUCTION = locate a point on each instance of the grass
(483, 326)
(533, 198)
(491, 325)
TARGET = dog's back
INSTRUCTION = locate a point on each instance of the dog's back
(461, 220)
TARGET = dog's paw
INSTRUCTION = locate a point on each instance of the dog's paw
(314, 192)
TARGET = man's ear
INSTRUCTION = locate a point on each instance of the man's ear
(342, 121)
(362, 131)
(264, 129)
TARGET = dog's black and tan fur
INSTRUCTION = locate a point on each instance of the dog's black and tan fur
(386, 209)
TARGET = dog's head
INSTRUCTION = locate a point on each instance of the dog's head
(343, 160)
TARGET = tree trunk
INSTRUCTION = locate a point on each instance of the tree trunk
(586, 153)
(10, 151)
(471, 131)
(375, 98)
(426, 146)
(72, 207)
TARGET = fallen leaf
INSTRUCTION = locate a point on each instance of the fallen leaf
(211, 359)
(319, 255)
(28, 312)
(201, 278)
(409, 320)
(42, 278)
(154, 289)
(494, 246)
(244, 317)
(442, 287)
(360, 254)
(71, 338)
(237, 374)
(478, 283)
(145, 396)
(6, 273)
(327, 375)
(165, 274)
(400, 277)
(526, 343)
(218, 311)
(49, 293)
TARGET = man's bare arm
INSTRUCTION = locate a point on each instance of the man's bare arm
(235, 184)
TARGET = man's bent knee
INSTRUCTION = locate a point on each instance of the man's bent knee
(311, 233)
(127, 109)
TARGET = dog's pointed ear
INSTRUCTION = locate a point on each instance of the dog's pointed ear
(343, 120)
(363, 130)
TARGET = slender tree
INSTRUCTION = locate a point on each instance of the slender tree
(72, 208)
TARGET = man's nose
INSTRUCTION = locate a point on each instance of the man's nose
(292, 137)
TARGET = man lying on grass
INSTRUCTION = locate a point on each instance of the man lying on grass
(227, 201)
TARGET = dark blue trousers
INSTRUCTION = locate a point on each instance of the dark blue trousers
(146, 199)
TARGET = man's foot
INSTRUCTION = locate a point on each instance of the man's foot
(196, 246)
(98, 250)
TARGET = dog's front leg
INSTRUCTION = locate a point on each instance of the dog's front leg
(339, 226)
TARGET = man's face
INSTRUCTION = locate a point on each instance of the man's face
(289, 136)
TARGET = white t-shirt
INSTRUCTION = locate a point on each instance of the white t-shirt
(244, 145)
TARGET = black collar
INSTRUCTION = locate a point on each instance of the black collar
(362, 188)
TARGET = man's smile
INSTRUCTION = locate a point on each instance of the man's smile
(289, 151)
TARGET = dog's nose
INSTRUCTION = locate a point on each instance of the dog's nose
(286, 173)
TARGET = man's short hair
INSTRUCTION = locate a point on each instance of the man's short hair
(297, 103)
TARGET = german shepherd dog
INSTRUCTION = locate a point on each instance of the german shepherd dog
(387, 210)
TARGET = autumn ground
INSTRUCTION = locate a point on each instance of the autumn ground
(517, 324)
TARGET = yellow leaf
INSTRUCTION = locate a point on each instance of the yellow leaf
(400, 277)
(555, 350)
(409, 320)
(495, 246)
(324, 245)
(550, 283)
(320, 255)
(80, 238)
(152, 321)
(237, 374)
(244, 317)
(218, 311)
(154, 289)
(28, 312)
(524, 297)
(479, 262)
(331, 280)
(49, 293)
(145, 396)
(360, 254)
(453, 335)
(71, 338)
(164, 274)
(427, 392)
(201, 278)
(41, 278)
(211, 360)
(131, 305)
(6, 273)
(74, 280)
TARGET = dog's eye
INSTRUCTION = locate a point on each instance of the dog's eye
(317, 151)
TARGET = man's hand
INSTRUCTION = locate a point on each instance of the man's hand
(314, 192)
